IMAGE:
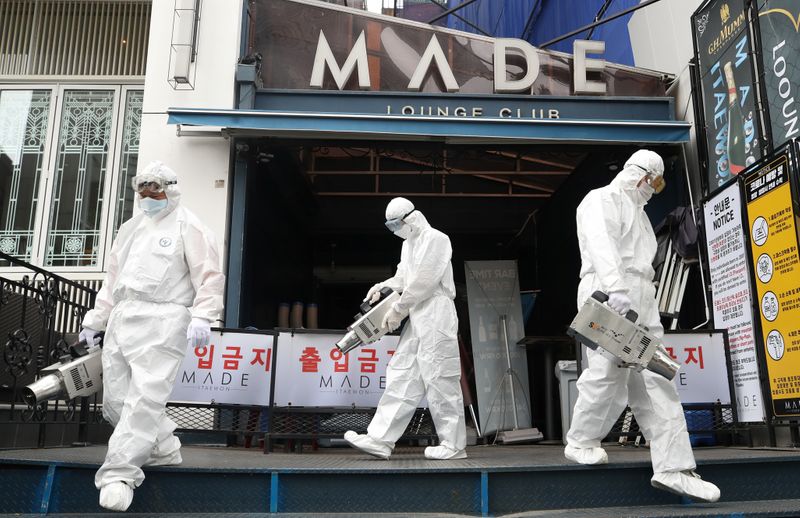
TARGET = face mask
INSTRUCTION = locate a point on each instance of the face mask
(404, 232)
(152, 207)
(644, 192)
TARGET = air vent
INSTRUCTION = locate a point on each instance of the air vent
(365, 329)
(643, 345)
(76, 378)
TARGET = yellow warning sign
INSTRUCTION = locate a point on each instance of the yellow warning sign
(773, 243)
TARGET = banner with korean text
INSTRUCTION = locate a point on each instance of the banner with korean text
(732, 296)
(234, 368)
(312, 372)
(703, 376)
(774, 252)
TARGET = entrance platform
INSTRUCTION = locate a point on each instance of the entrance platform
(533, 480)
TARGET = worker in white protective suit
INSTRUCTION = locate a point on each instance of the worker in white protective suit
(617, 247)
(426, 362)
(164, 287)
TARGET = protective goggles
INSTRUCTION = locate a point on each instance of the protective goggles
(656, 181)
(396, 224)
(150, 183)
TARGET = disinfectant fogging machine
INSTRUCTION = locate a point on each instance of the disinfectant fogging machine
(77, 374)
(632, 345)
(367, 325)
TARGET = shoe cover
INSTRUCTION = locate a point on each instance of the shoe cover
(444, 453)
(116, 496)
(686, 483)
(588, 456)
(367, 444)
(167, 452)
(173, 459)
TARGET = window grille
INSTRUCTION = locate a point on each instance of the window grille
(74, 37)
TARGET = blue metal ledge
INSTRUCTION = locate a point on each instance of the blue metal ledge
(450, 129)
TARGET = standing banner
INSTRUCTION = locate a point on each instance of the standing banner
(773, 246)
(732, 297)
(778, 22)
(492, 291)
(724, 54)
(234, 368)
(703, 376)
(311, 371)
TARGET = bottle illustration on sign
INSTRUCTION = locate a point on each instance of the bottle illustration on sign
(481, 329)
(492, 331)
(737, 156)
(775, 345)
(512, 328)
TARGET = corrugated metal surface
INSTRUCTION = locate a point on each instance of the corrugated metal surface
(74, 37)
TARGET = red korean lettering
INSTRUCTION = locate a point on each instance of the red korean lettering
(262, 357)
(340, 360)
(232, 360)
(310, 359)
(690, 358)
(671, 352)
(201, 352)
(368, 362)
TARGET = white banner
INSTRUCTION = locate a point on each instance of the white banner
(731, 297)
(492, 291)
(312, 372)
(235, 368)
(703, 377)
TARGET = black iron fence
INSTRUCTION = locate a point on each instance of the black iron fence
(708, 424)
(40, 315)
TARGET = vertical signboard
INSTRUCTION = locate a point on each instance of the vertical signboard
(773, 246)
(731, 295)
(780, 48)
(493, 291)
(724, 56)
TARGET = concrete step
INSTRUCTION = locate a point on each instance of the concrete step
(492, 481)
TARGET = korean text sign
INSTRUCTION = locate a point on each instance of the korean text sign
(773, 246)
(234, 368)
(703, 376)
(311, 371)
(731, 296)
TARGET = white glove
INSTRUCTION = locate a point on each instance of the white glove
(199, 332)
(392, 320)
(619, 302)
(88, 335)
(374, 294)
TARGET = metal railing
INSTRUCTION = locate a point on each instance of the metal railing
(40, 314)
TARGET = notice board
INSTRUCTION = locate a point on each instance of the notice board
(773, 245)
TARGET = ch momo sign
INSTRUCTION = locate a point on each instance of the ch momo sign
(358, 63)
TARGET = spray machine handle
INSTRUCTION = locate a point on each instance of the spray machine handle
(81, 348)
(366, 306)
(602, 298)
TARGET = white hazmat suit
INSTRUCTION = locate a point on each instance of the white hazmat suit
(426, 362)
(163, 279)
(617, 246)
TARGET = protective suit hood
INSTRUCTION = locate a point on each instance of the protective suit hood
(640, 164)
(418, 222)
(414, 221)
(173, 191)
